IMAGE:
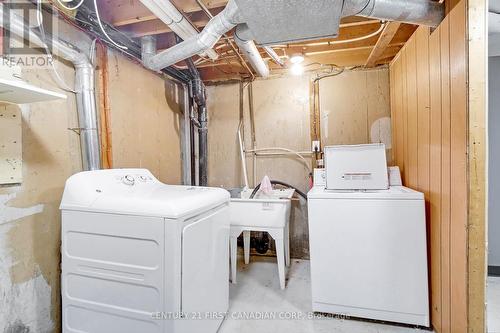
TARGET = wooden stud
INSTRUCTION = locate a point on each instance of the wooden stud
(385, 38)
(477, 163)
(104, 107)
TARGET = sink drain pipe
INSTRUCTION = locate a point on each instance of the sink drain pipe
(199, 97)
(261, 242)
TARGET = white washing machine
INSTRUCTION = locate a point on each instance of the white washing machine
(142, 256)
(368, 247)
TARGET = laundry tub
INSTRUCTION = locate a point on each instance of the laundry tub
(266, 213)
(264, 210)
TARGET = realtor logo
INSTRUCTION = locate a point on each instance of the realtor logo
(28, 49)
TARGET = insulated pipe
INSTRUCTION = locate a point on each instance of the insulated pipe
(84, 83)
(276, 58)
(175, 20)
(252, 54)
(423, 12)
(206, 39)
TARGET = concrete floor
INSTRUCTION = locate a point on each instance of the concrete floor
(493, 309)
(257, 293)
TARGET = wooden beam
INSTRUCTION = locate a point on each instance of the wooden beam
(104, 107)
(134, 12)
(156, 27)
(477, 161)
(385, 38)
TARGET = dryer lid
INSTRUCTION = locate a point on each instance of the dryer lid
(136, 192)
(393, 193)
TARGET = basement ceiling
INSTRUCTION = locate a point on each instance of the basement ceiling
(361, 41)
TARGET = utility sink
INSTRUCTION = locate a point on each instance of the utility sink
(263, 211)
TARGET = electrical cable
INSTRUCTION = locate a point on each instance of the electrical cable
(59, 80)
(123, 47)
(61, 3)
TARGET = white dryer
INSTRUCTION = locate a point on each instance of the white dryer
(142, 256)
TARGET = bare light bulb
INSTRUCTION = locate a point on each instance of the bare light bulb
(297, 58)
(297, 69)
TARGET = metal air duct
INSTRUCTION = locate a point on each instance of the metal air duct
(84, 83)
(206, 39)
(271, 22)
(421, 12)
(175, 20)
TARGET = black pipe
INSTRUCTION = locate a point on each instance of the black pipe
(85, 18)
(198, 92)
(261, 243)
(277, 182)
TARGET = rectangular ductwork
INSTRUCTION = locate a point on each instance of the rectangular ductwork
(280, 22)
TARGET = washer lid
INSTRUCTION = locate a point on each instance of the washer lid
(393, 193)
(136, 192)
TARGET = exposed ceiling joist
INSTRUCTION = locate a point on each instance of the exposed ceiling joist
(385, 38)
(133, 11)
(359, 42)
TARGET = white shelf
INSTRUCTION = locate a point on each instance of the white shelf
(19, 92)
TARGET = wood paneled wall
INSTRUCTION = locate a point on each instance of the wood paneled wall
(429, 116)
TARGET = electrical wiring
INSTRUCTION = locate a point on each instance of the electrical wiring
(59, 80)
(123, 47)
(61, 3)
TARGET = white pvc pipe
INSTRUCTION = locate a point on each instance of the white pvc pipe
(242, 156)
(276, 58)
(253, 55)
(298, 154)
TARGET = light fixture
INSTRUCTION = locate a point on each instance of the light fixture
(297, 69)
(297, 58)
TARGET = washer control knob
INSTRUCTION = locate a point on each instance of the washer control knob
(128, 180)
(143, 178)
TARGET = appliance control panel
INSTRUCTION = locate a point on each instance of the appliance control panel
(131, 179)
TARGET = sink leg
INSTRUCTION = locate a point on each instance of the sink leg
(246, 246)
(280, 247)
